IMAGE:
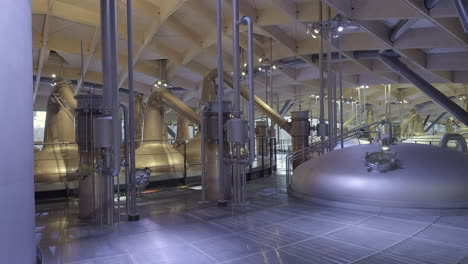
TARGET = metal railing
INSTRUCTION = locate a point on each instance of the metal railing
(318, 148)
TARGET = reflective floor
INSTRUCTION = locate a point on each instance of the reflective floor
(272, 228)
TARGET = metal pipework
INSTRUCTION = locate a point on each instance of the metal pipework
(331, 122)
(110, 78)
(462, 8)
(208, 95)
(248, 21)
(399, 67)
(126, 162)
(173, 102)
(322, 126)
(220, 87)
(235, 44)
(131, 183)
(340, 76)
(461, 142)
(111, 155)
(203, 158)
(401, 28)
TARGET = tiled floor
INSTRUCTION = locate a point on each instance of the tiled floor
(273, 228)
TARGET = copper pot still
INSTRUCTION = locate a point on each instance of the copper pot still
(58, 161)
(155, 152)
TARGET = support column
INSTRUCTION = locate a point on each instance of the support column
(17, 238)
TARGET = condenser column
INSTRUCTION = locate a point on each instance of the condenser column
(212, 151)
(300, 132)
(16, 154)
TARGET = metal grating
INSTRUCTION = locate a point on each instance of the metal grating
(322, 250)
(427, 251)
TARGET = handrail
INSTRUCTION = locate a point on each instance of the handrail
(320, 145)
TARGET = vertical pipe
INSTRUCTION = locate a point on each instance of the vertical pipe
(277, 126)
(110, 100)
(329, 78)
(81, 68)
(250, 46)
(235, 40)
(203, 157)
(126, 155)
(133, 215)
(340, 73)
(335, 105)
(322, 84)
(219, 29)
(16, 155)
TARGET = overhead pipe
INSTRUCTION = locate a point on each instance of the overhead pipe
(399, 67)
(435, 122)
(259, 103)
(173, 102)
(462, 9)
(132, 214)
(401, 28)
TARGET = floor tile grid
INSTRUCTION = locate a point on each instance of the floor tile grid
(314, 236)
(279, 248)
(203, 252)
(129, 255)
(239, 233)
(407, 238)
(229, 232)
(442, 242)
(325, 234)
(103, 258)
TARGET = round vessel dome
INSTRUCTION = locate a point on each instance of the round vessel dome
(424, 178)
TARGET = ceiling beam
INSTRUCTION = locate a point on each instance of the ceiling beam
(44, 50)
(166, 9)
(451, 26)
(381, 32)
